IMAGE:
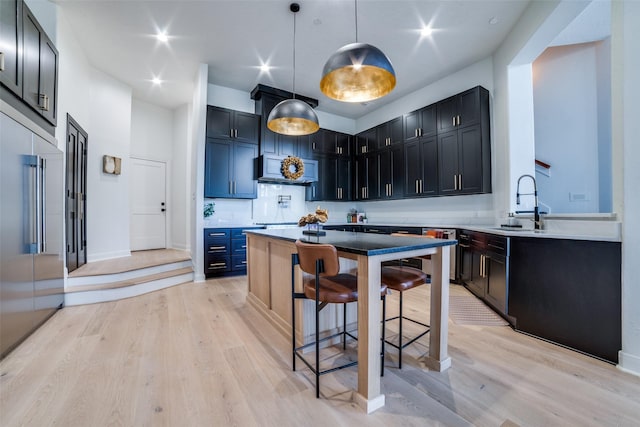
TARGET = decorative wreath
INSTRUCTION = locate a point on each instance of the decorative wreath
(297, 164)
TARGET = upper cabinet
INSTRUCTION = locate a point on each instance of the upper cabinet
(461, 110)
(420, 123)
(464, 153)
(389, 133)
(231, 151)
(366, 141)
(40, 62)
(11, 44)
(223, 123)
(28, 65)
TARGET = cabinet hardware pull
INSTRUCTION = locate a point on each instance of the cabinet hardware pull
(1, 61)
(230, 132)
(421, 186)
(43, 102)
(217, 265)
(217, 234)
(453, 120)
(420, 129)
(416, 186)
(401, 232)
(458, 120)
(459, 181)
(455, 182)
(313, 145)
(217, 248)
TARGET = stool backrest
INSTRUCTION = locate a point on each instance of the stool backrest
(308, 253)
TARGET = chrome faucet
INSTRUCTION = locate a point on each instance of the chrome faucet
(536, 213)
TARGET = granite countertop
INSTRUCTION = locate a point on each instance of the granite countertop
(358, 243)
(574, 231)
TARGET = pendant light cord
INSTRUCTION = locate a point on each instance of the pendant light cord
(356, 11)
(294, 55)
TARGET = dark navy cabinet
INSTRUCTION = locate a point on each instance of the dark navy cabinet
(225, 250)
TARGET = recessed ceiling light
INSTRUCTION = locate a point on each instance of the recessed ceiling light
(493, 21)
(264, 68)
(426, 32)
(156, 81)
(162, 37)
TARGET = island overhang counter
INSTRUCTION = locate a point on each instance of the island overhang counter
(269, 279)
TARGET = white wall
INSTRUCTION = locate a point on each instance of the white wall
(626, 128)
(107, 194)
(180, 180)
(151, 131)
(197, 127)
(566, 112)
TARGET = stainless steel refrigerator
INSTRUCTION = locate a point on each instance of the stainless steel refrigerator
(31, 232)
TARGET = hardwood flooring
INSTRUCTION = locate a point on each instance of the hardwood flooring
(198, 355)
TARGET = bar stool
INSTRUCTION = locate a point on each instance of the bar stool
(402, 278)
(328, 286)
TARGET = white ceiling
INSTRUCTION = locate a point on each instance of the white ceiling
(235, 37)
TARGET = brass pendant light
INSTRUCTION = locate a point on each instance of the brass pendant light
(357, 72)
(293, 116)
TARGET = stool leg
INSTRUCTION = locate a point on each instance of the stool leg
(344, 326)
(317, 346)
(384, 316)
(400, 335)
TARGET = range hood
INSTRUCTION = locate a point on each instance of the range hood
(270, 170)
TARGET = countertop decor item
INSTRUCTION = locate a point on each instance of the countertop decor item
(312, 221)
(292, 168)
(293, 116)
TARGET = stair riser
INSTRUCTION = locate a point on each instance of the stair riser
(127, 275)
(91, 297)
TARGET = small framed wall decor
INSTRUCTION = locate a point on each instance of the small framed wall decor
(111, 164)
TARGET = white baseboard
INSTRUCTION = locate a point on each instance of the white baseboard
(629, 363)
(107, 255)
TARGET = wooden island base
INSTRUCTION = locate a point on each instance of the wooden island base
(269, 291)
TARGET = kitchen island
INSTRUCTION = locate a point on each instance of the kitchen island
(269, 277)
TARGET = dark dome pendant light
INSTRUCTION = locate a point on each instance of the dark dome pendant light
(293, 116)
(357, 72)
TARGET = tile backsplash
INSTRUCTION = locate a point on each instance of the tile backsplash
(265, 208)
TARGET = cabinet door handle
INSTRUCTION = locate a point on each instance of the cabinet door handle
(458, 120)
(234, 187)
(1, 61)
(459, 181)
(453, 121)
(421, 186)
(217, 248)
(455, 182)
(230, 187)
(230, 132)
(43, 102)
(313, 145)
(420, 131)
(216, 234)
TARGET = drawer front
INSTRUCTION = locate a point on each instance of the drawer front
(407, 230)
(238, 247)
(217, 264)
(216, 234)
(239, 263)
(238, 233)
(217, 247)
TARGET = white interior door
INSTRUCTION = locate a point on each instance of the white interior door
(148, 204)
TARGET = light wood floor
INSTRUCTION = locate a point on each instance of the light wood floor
(198, 355)
(137, 260)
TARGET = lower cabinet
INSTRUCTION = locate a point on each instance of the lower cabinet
(568, 292)
(225, 250)
(484, 266)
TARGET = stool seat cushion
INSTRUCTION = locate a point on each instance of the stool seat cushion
(401, 278)
(341, 288)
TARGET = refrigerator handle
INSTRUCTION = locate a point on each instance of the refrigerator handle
(32, 163)
(43, 205)
(38, 205)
